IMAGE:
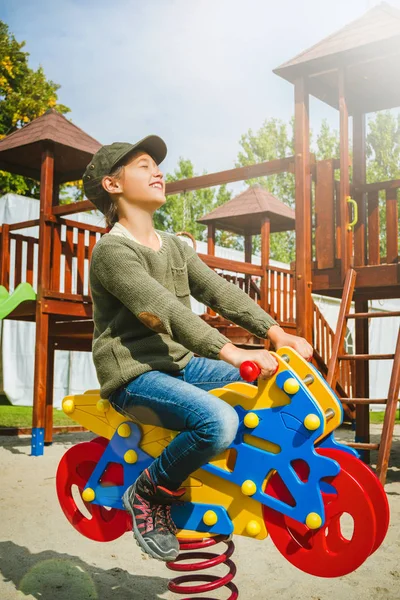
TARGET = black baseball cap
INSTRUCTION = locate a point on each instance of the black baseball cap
(108, 157)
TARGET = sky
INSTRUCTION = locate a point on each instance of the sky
(196, 72)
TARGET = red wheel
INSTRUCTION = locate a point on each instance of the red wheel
(74, 469)
(375, 491)
(101, 440)
(325, 552)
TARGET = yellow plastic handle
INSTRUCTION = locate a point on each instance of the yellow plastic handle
(355, 208)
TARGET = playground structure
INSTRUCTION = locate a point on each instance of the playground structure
(284, 475)
(354, 76)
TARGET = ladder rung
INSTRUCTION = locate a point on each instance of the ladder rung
(373, 315)
(361, 446)
(364, 400)
(365, 356)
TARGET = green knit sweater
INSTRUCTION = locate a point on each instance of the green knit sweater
(142, 313)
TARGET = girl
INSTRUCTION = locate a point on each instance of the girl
(145, 334)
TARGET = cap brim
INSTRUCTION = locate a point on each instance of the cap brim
(152, 144)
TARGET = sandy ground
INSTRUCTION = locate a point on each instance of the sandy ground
(43, 557)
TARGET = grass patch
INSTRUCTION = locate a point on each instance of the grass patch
(378, 416)
(21, 416)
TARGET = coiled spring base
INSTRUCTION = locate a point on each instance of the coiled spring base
(207, 560)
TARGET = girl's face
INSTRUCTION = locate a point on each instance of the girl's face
(141, 181)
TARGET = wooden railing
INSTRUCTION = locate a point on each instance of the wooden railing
(71, 249)
(72, 246)
(247, 283)
(281, 295)
(20, 251)
(323, 342)
(375, 236)
(382, 238)
(281, 298)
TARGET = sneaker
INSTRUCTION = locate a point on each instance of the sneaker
(150, 507)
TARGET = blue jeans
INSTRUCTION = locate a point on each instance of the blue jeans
(180, 401)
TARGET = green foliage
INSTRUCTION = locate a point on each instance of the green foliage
(181, 211)
(383, 159)
(328, 144)
(275, 139)
(24, 95)
(72, 192)
(383, 147)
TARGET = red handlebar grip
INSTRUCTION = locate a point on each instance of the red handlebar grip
(249, 370)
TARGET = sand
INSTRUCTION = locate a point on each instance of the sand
(42, 556)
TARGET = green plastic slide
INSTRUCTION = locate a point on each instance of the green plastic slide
(8, 302)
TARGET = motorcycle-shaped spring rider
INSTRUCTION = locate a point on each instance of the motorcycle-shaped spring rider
(284, 475)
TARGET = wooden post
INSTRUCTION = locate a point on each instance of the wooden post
(303, 212)
(325, 215)
(362, 378)
(211, 251)
(345, 232)
(359, 178)
(5, 256)
(56, 191)
(361, 305)
(42, 318)
(248, 250)
(48, 433)
(265, 244)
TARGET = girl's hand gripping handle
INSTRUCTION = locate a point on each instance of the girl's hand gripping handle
(249, 370)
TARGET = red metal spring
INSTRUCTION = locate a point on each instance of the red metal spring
(208, 560)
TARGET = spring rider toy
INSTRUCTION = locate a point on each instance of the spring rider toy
(284, 475)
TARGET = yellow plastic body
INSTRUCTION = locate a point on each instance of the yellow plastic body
(88, 495)
(312, 422)
(313, 521)
(251, 420)
(210, 517)
(94, 413)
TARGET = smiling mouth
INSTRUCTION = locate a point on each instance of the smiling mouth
(157, 185)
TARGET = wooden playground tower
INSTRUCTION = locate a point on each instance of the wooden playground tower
(355, 71)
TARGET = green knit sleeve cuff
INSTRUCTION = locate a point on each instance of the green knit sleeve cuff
(215, 344)
(252, 322)
(269, 322)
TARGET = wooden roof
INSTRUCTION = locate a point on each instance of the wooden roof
(20, 152)
(369, 51)
(242, 214)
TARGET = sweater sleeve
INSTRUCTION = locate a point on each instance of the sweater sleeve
(226, 298)
(123, 275)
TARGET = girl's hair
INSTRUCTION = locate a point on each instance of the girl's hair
(111, 215)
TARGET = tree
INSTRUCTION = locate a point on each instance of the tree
(181, 211)
(24, 95)
(383, 147)
(275, 139)
(383, 159)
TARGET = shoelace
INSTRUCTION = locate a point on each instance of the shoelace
(160, 517)
(147, 513)
(171, 525)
